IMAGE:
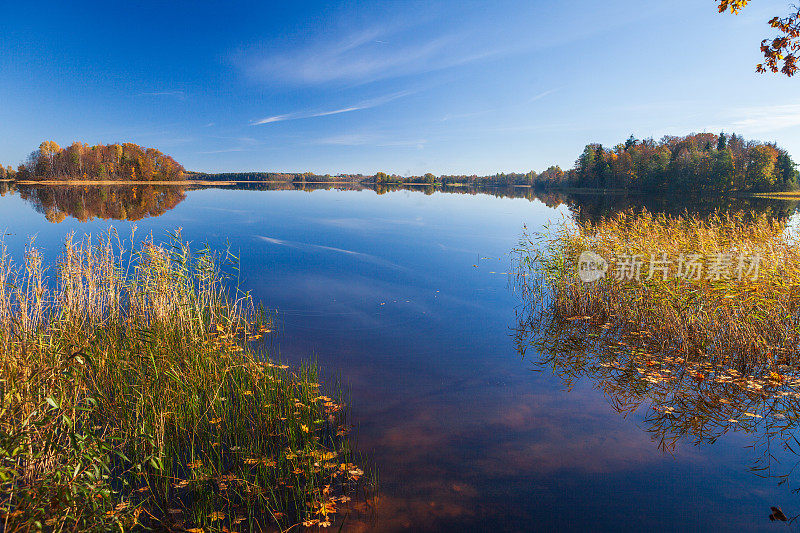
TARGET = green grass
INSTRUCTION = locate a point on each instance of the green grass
(132, 396)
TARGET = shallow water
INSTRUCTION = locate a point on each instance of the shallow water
(405, 296)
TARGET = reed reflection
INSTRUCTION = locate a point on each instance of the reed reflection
(694, 361)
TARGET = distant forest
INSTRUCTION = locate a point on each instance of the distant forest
(80, 161)
(296, 177)
(696, 163)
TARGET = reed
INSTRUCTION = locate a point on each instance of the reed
(755, 319)
(133, 394)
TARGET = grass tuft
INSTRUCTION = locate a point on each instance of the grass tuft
(132, 395)
(752, 319)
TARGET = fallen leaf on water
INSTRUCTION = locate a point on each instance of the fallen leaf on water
(777, 514)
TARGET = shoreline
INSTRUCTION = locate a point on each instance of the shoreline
(117, 182)
(785, 195)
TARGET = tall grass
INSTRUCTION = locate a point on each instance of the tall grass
(755, 318)
(131, 395)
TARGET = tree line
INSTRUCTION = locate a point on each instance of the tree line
(289, 177)
(126, 161)
(696, 163)
(702, 162)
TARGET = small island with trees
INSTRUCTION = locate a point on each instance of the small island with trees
(102, 162)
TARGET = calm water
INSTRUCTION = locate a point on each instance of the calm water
(405, 296)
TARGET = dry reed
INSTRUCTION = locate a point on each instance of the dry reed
(131, 395)
(754, 318)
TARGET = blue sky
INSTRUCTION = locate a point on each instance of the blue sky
(405, 87)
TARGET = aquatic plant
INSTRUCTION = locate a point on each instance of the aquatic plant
(677, 400)
(133, 394)
(750, 314)
(695, 356)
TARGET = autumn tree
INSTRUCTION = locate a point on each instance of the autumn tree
(784, 47)
(105, 162)
(698, 163)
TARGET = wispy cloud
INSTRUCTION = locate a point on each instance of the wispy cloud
(369, 258)
(470, 114)
(362, 56)
(366, 104)
(753, 120)
(541, 95)
(275, 118)
(768, 118)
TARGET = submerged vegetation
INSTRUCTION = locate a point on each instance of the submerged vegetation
(679, 399)
(132, 392)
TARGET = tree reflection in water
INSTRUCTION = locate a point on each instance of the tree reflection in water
(117, 202)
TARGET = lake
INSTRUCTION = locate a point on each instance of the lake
(406, 298)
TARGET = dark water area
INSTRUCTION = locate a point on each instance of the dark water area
(406, 297)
